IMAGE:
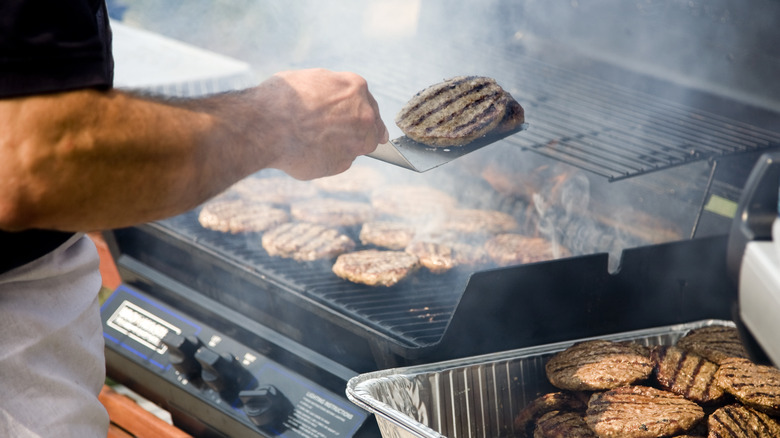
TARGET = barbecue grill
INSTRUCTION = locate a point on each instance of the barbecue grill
(662, 163)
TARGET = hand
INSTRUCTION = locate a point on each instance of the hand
(326, 119)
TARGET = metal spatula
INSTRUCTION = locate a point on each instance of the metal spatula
(409, 154)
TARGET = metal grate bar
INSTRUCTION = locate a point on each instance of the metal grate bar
(641, 131)
(611, 130)
(415, 312)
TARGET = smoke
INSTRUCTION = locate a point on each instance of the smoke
(722, 45)
(402, 46)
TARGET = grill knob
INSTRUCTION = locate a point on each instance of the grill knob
(266, 406)
(222, 373)
(181, 355)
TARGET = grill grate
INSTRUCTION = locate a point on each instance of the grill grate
(617, 132)
(610, 130)
(415, 311)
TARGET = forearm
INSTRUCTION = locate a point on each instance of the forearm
(98, 160)
(87, 160)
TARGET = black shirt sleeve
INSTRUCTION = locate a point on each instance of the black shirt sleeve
(48, 46)
(54, 45)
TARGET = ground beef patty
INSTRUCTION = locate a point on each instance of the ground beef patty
(464, 220)
(387, 234)
(357, 179)
(436, 257)
(332, 212)
(563, 401)
(459, 110)
(273, 190)
(687, 374)
(440, 254)
(757, 386)
(599, 364)
(557, 424)
(641, 412)
(512, 249)
(375, 267)
(240, 216)
(737, 421)
(411, 201)
(715, 343)
(306, 242)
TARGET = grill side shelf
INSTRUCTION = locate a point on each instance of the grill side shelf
(554, 301)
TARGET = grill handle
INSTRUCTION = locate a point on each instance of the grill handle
(756, 211)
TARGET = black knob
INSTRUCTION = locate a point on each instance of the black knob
(266, 406)
(181, 354)
(222, 372)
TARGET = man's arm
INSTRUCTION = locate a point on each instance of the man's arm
(88, 160)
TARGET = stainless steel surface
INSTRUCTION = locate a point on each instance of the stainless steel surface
(409, 154)
(477, 396)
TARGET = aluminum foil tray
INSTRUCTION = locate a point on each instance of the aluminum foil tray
(477, 396)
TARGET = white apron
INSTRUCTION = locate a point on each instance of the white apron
(52, 364)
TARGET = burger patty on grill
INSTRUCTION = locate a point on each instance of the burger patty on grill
(387, 234)
(459, 110)
(641, 411)
(510, 249)
(599, 364)
(437, 257)
(332, 212)
(412, 201)
(306, 242)
(240, 216)
(557, 424)
(375, 267)
(466, 220)
(273, 190)
(442, 252)
(757, 386)
(357, 179)
(687, 374)
(715, 343)
(737, 421)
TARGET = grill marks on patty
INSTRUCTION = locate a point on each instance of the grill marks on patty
(457, 111)
(757, 386)
(332, 212)
(715, 343)
(240, 216)
(737, 421)
(375, 267)
(510, 249)
(642, 412)
(472, 98)
(306, 242)
(273, 190)
(563, 401)
(743, 397)
(598, 365)
(557, 424)
(686, 374)
(387, 234)
(412, 202)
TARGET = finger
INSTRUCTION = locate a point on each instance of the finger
(382, 134)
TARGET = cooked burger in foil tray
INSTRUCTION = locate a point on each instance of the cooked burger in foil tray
(489, 395)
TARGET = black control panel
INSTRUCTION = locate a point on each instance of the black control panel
(212, 379)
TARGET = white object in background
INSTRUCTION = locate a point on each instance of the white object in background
(776, 235)
(759, 295)
(151, 62)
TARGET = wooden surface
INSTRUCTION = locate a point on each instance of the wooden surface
(129, 420)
